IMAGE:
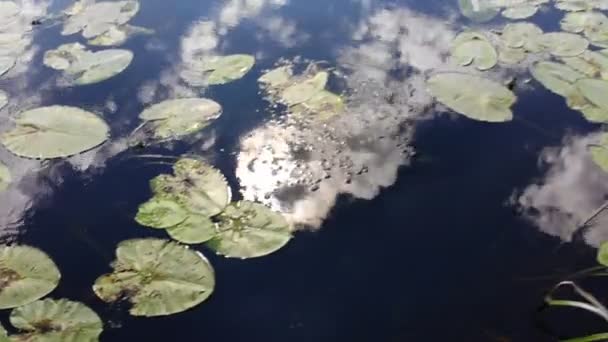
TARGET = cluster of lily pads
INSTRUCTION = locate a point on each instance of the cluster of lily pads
(303, 94)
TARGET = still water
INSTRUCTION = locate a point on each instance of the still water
(427, 226)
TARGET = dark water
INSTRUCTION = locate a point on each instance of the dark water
(441, 254)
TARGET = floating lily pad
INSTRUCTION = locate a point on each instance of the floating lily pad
(161, 213)
(6, 64)
(99, 66)
(595, 91)
(478, 10)
(556, 77)
(158, 277)
(475, 51)
(475, 97)
(592, 113)
(118, 35)
(602, 254)
(99, 17)
(64, 56)
(599, 153)
(3, 99)
(509, 55)
(323, 106)
(591, 63)
(573, 6)
(578, 22)
(520, 12)
(26, 274)
(226, 69)
(180, 117)
(5, 177)
(250, 230)
(522, 35)
(195, 229)
(55, 132)
(563, 44)
(51, 320)
(305, 90)
(277, 77)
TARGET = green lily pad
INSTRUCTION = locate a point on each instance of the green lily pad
(478, 10)
(593, 113)
(577, 22)
(51, 320)
(520, 12)
(194, 230)
(591, 63)
(197, 186)
(250, 230)
(94, 67)
(55, 132)
(556, 77)
(595, 91)
(324, 105)
(3, 99)
(563, 44)
(180, 117)
(97, 18)
(158, 277)
(573, 6)
(226, 69)
(277, 77)
(599, 153)
(522, 35)
(6, 64)
(477, 52)
(474, 97)
(118, 35)
(602, 254)
(64, 56)
(5, 177)
(305, 90)
(160, 213)
(26, 274)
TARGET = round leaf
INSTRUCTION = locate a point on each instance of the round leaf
(518, 35)
(158, 277)
(250, 230)
(562, 44)
(51, 320)
(226, 69)
(54, 132)
(477, 98)
(26, 274)
(175, 118)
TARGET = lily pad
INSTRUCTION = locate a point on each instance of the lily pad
(477, 52)
(509, 55)
(474, 97)
(556, 77)
(277, 77)
(5, 177)
(602, 254)
(578, 22)
(158, 277)
(161, 213)
(55, 132)
(563, 44)
(599, 153)
(250, 230)
(118, 35)
(573, 6)
(591, 63)
(226, 69)
(522, 35)
(64, 56)
(180, 117)
(3, 99)
(305, 90)
(195, 229)
(595, 91)
(324, 105)
(94, 67)
(6, 64)
(51, 320)
(520, 12)
(99, 17)
(26, 274)
(478, 10)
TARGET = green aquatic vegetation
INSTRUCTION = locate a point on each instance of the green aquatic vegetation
(97, 18)
(302, 91)
(118, 35)
(473, 49)
(474, 97)
(55, 132)
(522, 35)
(507, 55)
(520, 12)
(180, 117)
(591, 63)
(595, 91)
(216, 70)
(599, 154)
(563, 44)
(3, 99)
(52, 320)
(5, 177)
(26, 275)
(158, 277)
(478, 10)
(64, 56)
(324, 105)
(250, 230)
(558, 78)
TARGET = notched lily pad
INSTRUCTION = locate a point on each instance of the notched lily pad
(55, 132)
(522, 35)
(94, 67)
(277, 77)
(475, 51)
(250, 230)
(180, 117)
(474, 97)
(26, 274)
(158, 277)
(160, 213)
(51, 320)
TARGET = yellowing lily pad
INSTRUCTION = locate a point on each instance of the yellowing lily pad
(55, 132)
(51, 320)
(226, 69)
(158, 277)
(180, 117)
(250, 230)
(591, 63)
(474, 97)
(26, 274)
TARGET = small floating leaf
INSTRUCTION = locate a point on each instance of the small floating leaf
(5, 177)
(250, 230)
(26, 274)
(475, 97)
(602, 253)
(51, 320)
(158, 277)
(160, 213)
(476, 51)
(64, 56)
(520, 12)
(180, 117)
(226, 69)
(578, 22)
(277, 77)
(305, 90)
(118, 35)
(55, 132)
(574, 6)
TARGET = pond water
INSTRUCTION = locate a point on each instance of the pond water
(410, 221)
